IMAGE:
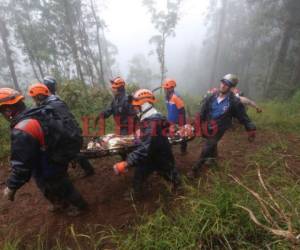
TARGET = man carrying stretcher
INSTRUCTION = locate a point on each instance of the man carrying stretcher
(153, 152)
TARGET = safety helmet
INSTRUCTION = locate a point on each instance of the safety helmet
(38, 89)
(169, 83)
(9, 96)
(117, 83)
(50, 82)
(142, 96)
(230, 80)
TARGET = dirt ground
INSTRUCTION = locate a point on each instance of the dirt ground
(105, 192)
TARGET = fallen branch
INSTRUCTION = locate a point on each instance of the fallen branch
(266, 207)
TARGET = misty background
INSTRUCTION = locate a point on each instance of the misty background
(145, 41)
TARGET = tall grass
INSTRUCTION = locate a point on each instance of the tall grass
(280, 115)
(206, 218)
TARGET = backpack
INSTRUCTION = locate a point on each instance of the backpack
(62, 133)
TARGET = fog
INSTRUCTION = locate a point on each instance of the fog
(130, 28)
(195, 42)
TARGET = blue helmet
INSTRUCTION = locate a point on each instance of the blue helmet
(50, 82)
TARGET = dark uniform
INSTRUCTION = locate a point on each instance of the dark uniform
(123, 113)
(221, 114)
(29, 158)
(153, 153)
(61, 107)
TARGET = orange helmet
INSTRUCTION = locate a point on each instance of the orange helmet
(117, 82)
(142, 96)
(169, 83)
(38, 89)
(9, 96)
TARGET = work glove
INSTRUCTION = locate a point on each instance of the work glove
(120, 167)
(9, 194)
(251, 135)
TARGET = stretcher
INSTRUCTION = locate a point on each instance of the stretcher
(112, 144)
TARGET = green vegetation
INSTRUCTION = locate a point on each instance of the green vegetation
(280, 115)
(205, 216)
(4, 138)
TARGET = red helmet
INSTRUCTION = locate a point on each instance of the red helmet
(117, 82)
(169, 83)
(38, 89)
(9, 96)
(142, 96)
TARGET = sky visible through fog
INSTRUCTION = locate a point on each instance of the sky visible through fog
(130, 28)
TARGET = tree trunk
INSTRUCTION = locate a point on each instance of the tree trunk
(30, 54)
(4, 37)
(295, 82)
(98, 27)
(85, 49)
(31, 50)
(250, 56)
(108, 63)
(33, 67)
(71, 39)
(162, 59)
(282, 53)
(89, 55)
(102, 77)
(38, 63)
(268, 73)
(53, 44)
(219, 42)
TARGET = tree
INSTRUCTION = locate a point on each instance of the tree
(4, 33)
(99, 27)
(140, 72)
(165, 23)
(289, 24)
(252, 37)
(220, 33)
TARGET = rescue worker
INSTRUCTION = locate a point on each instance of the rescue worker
(244, 100)
(55, 102)
(175, 108)
(51, 84)
(154, 152)
(29, 158)
(120, 108)
(216, 114)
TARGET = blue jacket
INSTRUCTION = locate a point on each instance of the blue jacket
(233, 109)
